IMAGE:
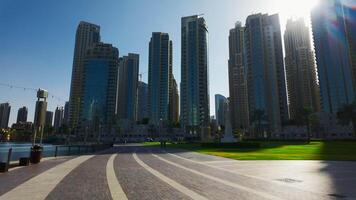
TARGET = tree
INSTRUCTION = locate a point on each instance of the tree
(347, 115)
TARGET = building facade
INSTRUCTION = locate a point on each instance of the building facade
(142, 101)
(5, 110)
(66, 114)
(237, 79)
(174, 102)
(58, 118)
(49, 119)
(331, 41)
(22, 114)
(267, 95)
(128, 84)
(303, 88)
(159, 77)
(86, 36)
(220, 109)
(195, 106)
(99, 97)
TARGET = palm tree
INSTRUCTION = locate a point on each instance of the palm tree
(347, 115)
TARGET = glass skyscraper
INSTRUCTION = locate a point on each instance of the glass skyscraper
(86, 36)
(99, 97)
(128, 84)
(195, 113)
(332, 38)
(220, 109)
(267, 93)
(159, 77)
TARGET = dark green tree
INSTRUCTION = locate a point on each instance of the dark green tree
(347, 115)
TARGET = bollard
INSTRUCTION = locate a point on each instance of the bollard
(8, 159)
(56, 152)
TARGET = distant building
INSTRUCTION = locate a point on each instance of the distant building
(267, 95)
(159, 77)
(99, 97)
(220, 109)
(22, 114)
(303, 88)
(173, 102)
(128, 84)
(195, 106)
(49, 119)
(5, 109)
(142, 101)
(237, 79)
(86, 36)
(333, 34)
(58, 118)
(66, 114)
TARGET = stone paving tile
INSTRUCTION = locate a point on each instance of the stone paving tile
(87, 181)
(16, 177)
(204, 186)
(138, 183)
(259, 184)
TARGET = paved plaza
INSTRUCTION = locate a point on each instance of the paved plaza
(142, 172)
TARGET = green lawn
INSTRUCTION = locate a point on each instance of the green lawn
(331, 150)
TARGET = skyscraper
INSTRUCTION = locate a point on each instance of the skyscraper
(99, 97)
(5, 109)
(142, 101)
(220, 109)
(333, 55)
(58, 118)
(159, 77)
(49, 119)
(174, 102)
(22, 114)
(86, 36)
(303, 88)
(350, 25)
(237, 79)
(194, 109)
(128, 83)
(267, 93)
(66, 113)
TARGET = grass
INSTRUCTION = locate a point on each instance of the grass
(318, 150)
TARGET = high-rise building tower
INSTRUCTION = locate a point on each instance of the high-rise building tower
(22, 114)
(142, 101)
(66, 114)
(194, 109)
(99, 97)
(350, 19)
(5, 109)
(128, 83)
(333, 55)
(267, 93)
(303, 88)
(174, 102)
(49, 119)
(159, 77)
(220, 109)
(87, 35)
(237, 79)
(58, 118)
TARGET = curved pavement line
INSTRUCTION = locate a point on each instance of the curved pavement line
(169, 181)
(115, 188)
(229, 183)
(38, 187)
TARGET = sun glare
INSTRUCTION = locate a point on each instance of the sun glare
(295, 8)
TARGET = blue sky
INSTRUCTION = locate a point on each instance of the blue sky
(37, 38)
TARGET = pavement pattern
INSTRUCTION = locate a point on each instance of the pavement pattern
(142, 172)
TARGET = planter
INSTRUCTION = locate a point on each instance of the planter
(24, 161)
(3, 167)
(36, 154)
